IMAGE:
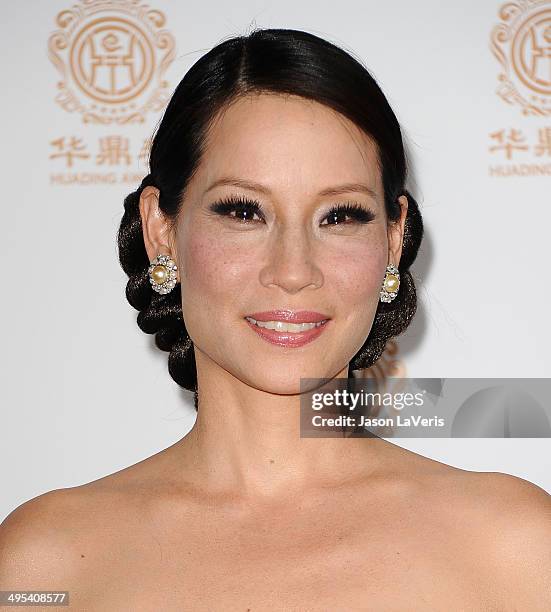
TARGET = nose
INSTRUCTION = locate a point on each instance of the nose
(291, 261)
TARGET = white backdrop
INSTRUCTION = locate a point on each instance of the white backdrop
(86, 393)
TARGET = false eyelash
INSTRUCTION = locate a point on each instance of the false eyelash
(359, 213)
(235, 203)
(242, 203)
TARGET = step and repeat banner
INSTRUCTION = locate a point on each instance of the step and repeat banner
(85, 392)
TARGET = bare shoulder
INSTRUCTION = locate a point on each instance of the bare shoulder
(507, 500)
(513, 517)
(500, 527)
(39, 541)
(499, 524)
(62, 536)
(498, 502)
(517, 489)
(486, 493)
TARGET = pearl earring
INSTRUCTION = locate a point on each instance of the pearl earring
(391, 283)
(162, 274)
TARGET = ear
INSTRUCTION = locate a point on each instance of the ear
(396, 233)
(157, 232)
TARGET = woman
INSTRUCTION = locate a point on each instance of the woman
(277, 193)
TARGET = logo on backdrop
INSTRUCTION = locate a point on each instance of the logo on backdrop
(521, 43)
(111, 57)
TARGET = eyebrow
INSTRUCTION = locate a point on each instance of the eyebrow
(328, 191)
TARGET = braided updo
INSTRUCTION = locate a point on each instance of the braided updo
(279, 61)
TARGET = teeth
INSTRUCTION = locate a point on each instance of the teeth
(286, 327)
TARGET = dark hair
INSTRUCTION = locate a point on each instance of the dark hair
(279, 61)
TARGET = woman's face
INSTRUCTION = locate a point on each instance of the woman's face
(292, 255)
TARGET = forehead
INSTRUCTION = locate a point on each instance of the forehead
(288, 142)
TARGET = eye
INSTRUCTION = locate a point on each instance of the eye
(358, 213)
(244, 208)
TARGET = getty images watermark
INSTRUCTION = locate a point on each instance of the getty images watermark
(426, 407)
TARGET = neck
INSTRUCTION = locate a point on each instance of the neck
(246, 442)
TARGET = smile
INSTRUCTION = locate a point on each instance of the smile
(286, 327)
(283, 333)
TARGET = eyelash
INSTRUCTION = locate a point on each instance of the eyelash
(243, 204)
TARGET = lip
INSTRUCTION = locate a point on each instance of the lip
(288, 339)
(290, 316)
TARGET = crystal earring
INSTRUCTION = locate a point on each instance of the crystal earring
(162, 274)
(391, 283)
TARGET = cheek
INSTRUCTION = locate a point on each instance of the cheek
(212, 271)
(356, 274)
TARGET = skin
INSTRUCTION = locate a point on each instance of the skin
(242, 513)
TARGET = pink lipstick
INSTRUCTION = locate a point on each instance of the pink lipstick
(288, 327)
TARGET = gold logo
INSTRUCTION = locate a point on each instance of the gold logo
(112, 55)
(521, 42)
